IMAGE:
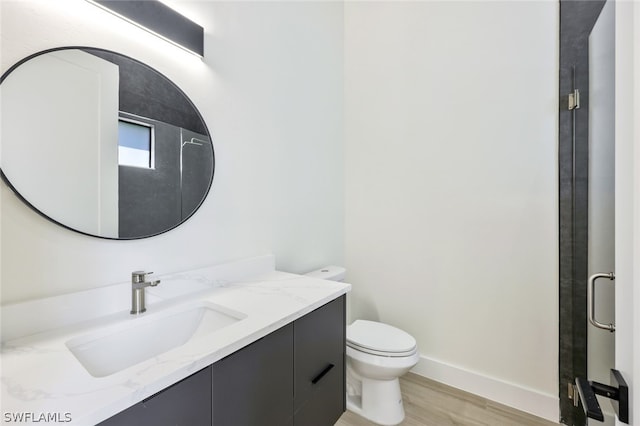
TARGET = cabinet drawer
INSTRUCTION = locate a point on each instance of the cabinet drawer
(186, 403)
(325, 404)
(254, 386)
(319, 354)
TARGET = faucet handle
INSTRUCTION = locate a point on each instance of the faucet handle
(139, 276)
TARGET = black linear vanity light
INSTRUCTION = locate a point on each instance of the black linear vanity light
(160, 20)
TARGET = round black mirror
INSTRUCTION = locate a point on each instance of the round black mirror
(102, 144)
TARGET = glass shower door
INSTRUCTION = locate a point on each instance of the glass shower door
(601, 195)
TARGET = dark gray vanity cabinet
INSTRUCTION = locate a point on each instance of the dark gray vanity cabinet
(319, 365)
(254, 386)
(294, 376)
(186, 403)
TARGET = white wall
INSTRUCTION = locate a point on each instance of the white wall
(270, 90)
(451, 188)
(627, 18)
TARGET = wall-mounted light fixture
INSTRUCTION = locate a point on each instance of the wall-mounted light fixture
(160, 20)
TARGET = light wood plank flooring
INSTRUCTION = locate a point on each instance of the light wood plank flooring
(429, 403)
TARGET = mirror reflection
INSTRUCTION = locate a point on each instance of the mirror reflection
(102, 144)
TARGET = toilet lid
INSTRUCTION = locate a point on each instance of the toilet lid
(379, 337)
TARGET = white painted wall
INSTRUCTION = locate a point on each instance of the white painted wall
(269, 88)
(627, 18)
(451, 188)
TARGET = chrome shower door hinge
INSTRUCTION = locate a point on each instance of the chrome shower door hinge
(574, 100)
(573, 394)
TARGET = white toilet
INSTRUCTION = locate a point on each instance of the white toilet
(377, 355)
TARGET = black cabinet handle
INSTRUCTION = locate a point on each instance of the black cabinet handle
(322, 374)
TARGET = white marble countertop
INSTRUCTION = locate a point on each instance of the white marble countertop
(41, 378)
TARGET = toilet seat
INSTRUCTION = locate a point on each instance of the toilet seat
(381, 353)
(380, 339)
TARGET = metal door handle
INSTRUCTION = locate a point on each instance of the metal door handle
(618, 392)
(592, 303)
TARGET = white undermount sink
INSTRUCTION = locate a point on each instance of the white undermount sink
(113, 348)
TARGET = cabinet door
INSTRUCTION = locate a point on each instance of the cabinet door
(319, 365)
(186, 403)
(254, 386)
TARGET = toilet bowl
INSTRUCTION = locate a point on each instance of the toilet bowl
(377, 355)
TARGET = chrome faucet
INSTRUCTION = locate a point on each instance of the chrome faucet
(138, 284)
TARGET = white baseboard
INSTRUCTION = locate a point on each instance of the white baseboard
(509, 394)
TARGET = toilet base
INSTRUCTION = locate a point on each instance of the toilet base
(380, 402)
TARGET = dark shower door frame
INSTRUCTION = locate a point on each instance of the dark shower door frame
(577, 18)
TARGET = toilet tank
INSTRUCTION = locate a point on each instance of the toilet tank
(331, 272)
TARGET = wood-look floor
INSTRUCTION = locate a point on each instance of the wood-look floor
(429, 403)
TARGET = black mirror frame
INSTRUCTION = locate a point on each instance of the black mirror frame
(6, 180)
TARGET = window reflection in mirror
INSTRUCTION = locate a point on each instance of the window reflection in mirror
(135, 144)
